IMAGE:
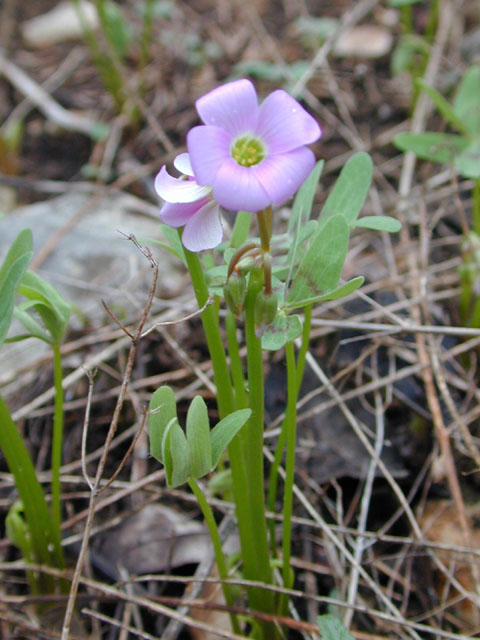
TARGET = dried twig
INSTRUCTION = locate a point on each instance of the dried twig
(110, 436)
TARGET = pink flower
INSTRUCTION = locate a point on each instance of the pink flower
(252, 156)
(189, 204)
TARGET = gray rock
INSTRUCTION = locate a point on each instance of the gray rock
(93, 261)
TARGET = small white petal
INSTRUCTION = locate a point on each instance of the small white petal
(175, 190)
(183, 164)
(204, 229)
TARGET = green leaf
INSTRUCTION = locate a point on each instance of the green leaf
(397, 4)
(224, 432)
(31, 325)
(443, 107)
(467, 162)
(332, 629)
(11, 273)
(351, 188)
(116, 28)
(175, 454)
(48, 302)
(37, 514)
(174, 245)
(284, 329)
(320, 269)
(379, 223)
(405, 54)
(302, 205)
(340, 292)
(220, 482)
(299, 219)
(437, 147)
(466, 104)
(161, 410)
(198, 438)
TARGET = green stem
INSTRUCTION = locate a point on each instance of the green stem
(291, 429)
(221, 374)
(302, 353)
(37, 514)
(241, 398)
(277, 459)
(476, 206)
(217, 548)
(226, 405)
(264, 219)
(57, 446)
(257, 567)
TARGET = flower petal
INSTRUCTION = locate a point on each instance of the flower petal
(178, 214)
(208, 147)
(237, 188)
(284, 124)
(232, 106)
(183, 164)
(204, 229)
(175, 190)
(283, 174)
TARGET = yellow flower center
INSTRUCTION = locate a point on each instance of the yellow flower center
(248, 151)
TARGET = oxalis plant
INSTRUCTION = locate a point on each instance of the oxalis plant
(31, 524)
(249, 158)
(461, 150)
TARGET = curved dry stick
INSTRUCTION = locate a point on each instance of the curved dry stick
(110, 436)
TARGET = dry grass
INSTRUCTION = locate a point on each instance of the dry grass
(381, 550)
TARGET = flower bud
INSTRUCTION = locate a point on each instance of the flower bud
(266, 307)
(235, 290)
(246, 265)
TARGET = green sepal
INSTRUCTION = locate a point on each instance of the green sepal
(235, 291)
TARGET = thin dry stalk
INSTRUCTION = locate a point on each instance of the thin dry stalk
(96, 488)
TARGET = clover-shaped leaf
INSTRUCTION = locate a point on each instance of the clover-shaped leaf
(197, 453)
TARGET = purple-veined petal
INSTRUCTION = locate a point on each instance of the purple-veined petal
(237, 187)
(283, 174)
(232, 106)
(178, 214)
(182, 163)
(175, 190)
(284, 124)
(208, 148)
(204, 229)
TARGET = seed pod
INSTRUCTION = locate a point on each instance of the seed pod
(235, 290)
